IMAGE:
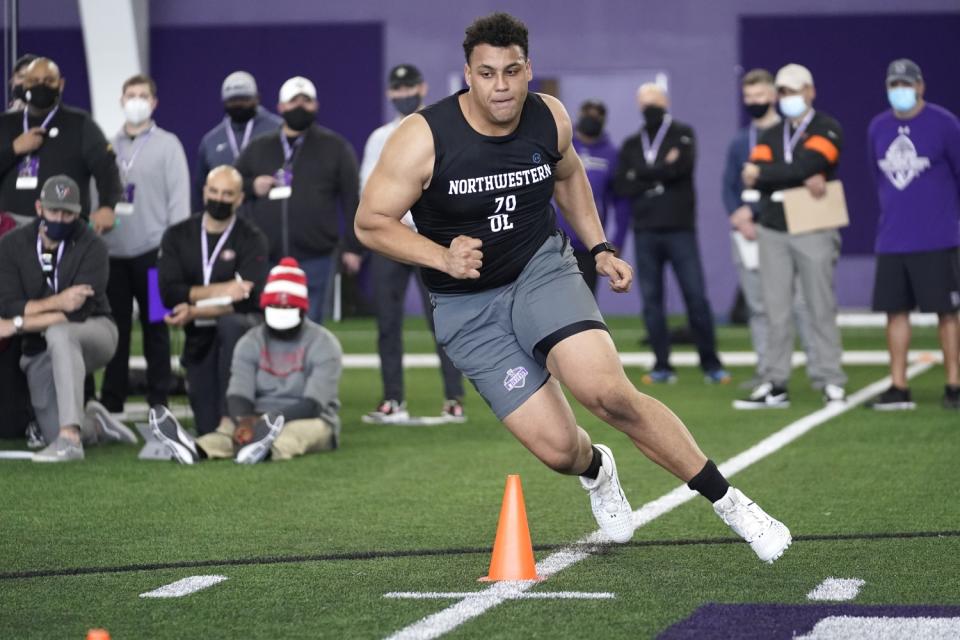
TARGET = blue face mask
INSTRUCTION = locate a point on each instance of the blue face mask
(793, 106)
(58, 231)
(902, 98)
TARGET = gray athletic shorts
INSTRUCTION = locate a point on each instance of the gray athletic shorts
(500, 338)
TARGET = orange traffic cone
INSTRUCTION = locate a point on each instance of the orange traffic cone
(98, 634)
(512, 550)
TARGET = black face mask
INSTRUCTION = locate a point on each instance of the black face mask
(299, 119)
(590, 126)
(653, 116)
(42, 96)
(218, 210)
(757, 110)
(406, 105)
(58, 231)
(241, 115)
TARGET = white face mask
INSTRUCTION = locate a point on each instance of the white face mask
(137, 110)
(793, 106)
(282, 319)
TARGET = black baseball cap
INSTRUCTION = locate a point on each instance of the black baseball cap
(404, 75)
(60, 193)
(905, 70)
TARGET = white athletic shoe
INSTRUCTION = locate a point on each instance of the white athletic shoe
(168, 430)
(106, 427)
(768, 537)
(265, 431)
(60, 450)
(387, 412)
(610, 506)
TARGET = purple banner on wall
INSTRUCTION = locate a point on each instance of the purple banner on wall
(848, 57)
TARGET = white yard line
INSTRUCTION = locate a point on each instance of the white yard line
(437, 624)
(184, 587)
(836, 590)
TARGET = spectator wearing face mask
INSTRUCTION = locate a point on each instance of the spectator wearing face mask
(599, 157)
(284, 383)
(406, 90)
(655, 170)
(298, 181)
(156, 195)
(212, 267)
(53, 280)
(245, 119)
(49, 138)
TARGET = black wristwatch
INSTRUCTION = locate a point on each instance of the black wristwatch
(603, 246)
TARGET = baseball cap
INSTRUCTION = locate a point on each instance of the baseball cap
(60, 193)
(794, 76)
(238, 84)
(904, 69)
(404, 75)
(286, 286)
(297, 86)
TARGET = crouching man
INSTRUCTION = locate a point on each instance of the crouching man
(282, 399)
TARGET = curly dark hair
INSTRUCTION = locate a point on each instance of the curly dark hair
(497, 30)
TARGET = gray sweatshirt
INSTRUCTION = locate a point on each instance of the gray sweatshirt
(274, 374)
(161, 190)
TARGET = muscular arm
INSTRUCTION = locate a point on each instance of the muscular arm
(401, 174)
(572, 191)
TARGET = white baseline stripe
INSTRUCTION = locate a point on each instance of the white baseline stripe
(184, 587)
(545, 595)
(837, 589)
(437, 624)
(629, 359)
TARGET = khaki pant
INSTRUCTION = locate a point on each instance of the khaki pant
(297, 438)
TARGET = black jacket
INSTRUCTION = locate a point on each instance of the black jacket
(817, 151)
(179, 268)
(325, 178)
(79, 150)
(84, 261)
(661, 195)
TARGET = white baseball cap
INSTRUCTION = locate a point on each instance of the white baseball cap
(794, 76)
(297, 86)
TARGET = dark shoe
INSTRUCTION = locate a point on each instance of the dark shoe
(765, 396)
(951, 397)
(893, 399)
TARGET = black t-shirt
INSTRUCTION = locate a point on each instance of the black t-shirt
(494, 188)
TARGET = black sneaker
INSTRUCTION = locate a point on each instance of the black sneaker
(951, 397)
(765, 396)
(893, 399)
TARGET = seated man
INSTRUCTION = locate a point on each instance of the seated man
(53, 282)
(211, 270)
(282, 401)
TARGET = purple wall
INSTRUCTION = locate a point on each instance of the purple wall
(694, 41)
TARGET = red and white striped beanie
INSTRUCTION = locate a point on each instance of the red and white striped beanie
(286, 286)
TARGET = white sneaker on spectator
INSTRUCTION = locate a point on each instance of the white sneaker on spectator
(168, 430)
(834, 394)
(60, 450)
(387, 412)
(610, 507)
(768, 537)
(265, 431)
(35, 439)
(107, 427)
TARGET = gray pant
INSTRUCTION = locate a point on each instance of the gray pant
(753, 295)
(807, 259)
(74, 349)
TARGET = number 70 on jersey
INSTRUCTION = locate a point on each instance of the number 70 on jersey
(500, 221)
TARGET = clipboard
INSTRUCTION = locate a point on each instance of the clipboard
(805, 213)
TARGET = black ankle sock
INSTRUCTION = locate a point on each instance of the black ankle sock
(709, 483)
(594, 469)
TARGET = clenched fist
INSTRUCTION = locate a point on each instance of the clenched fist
(463, 259)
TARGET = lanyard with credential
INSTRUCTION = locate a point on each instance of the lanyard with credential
(289, 150)
(650, 151)
(751, 139)
(232, 137)
(55, 283)
(209, 262)
(789, 142)
(126, 164)
(43, 125)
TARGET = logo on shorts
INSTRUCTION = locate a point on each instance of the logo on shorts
(516, 378)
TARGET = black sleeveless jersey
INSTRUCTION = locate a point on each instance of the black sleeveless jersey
(494, 188)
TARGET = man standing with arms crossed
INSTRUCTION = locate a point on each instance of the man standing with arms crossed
(915, 154)
(510, 306)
